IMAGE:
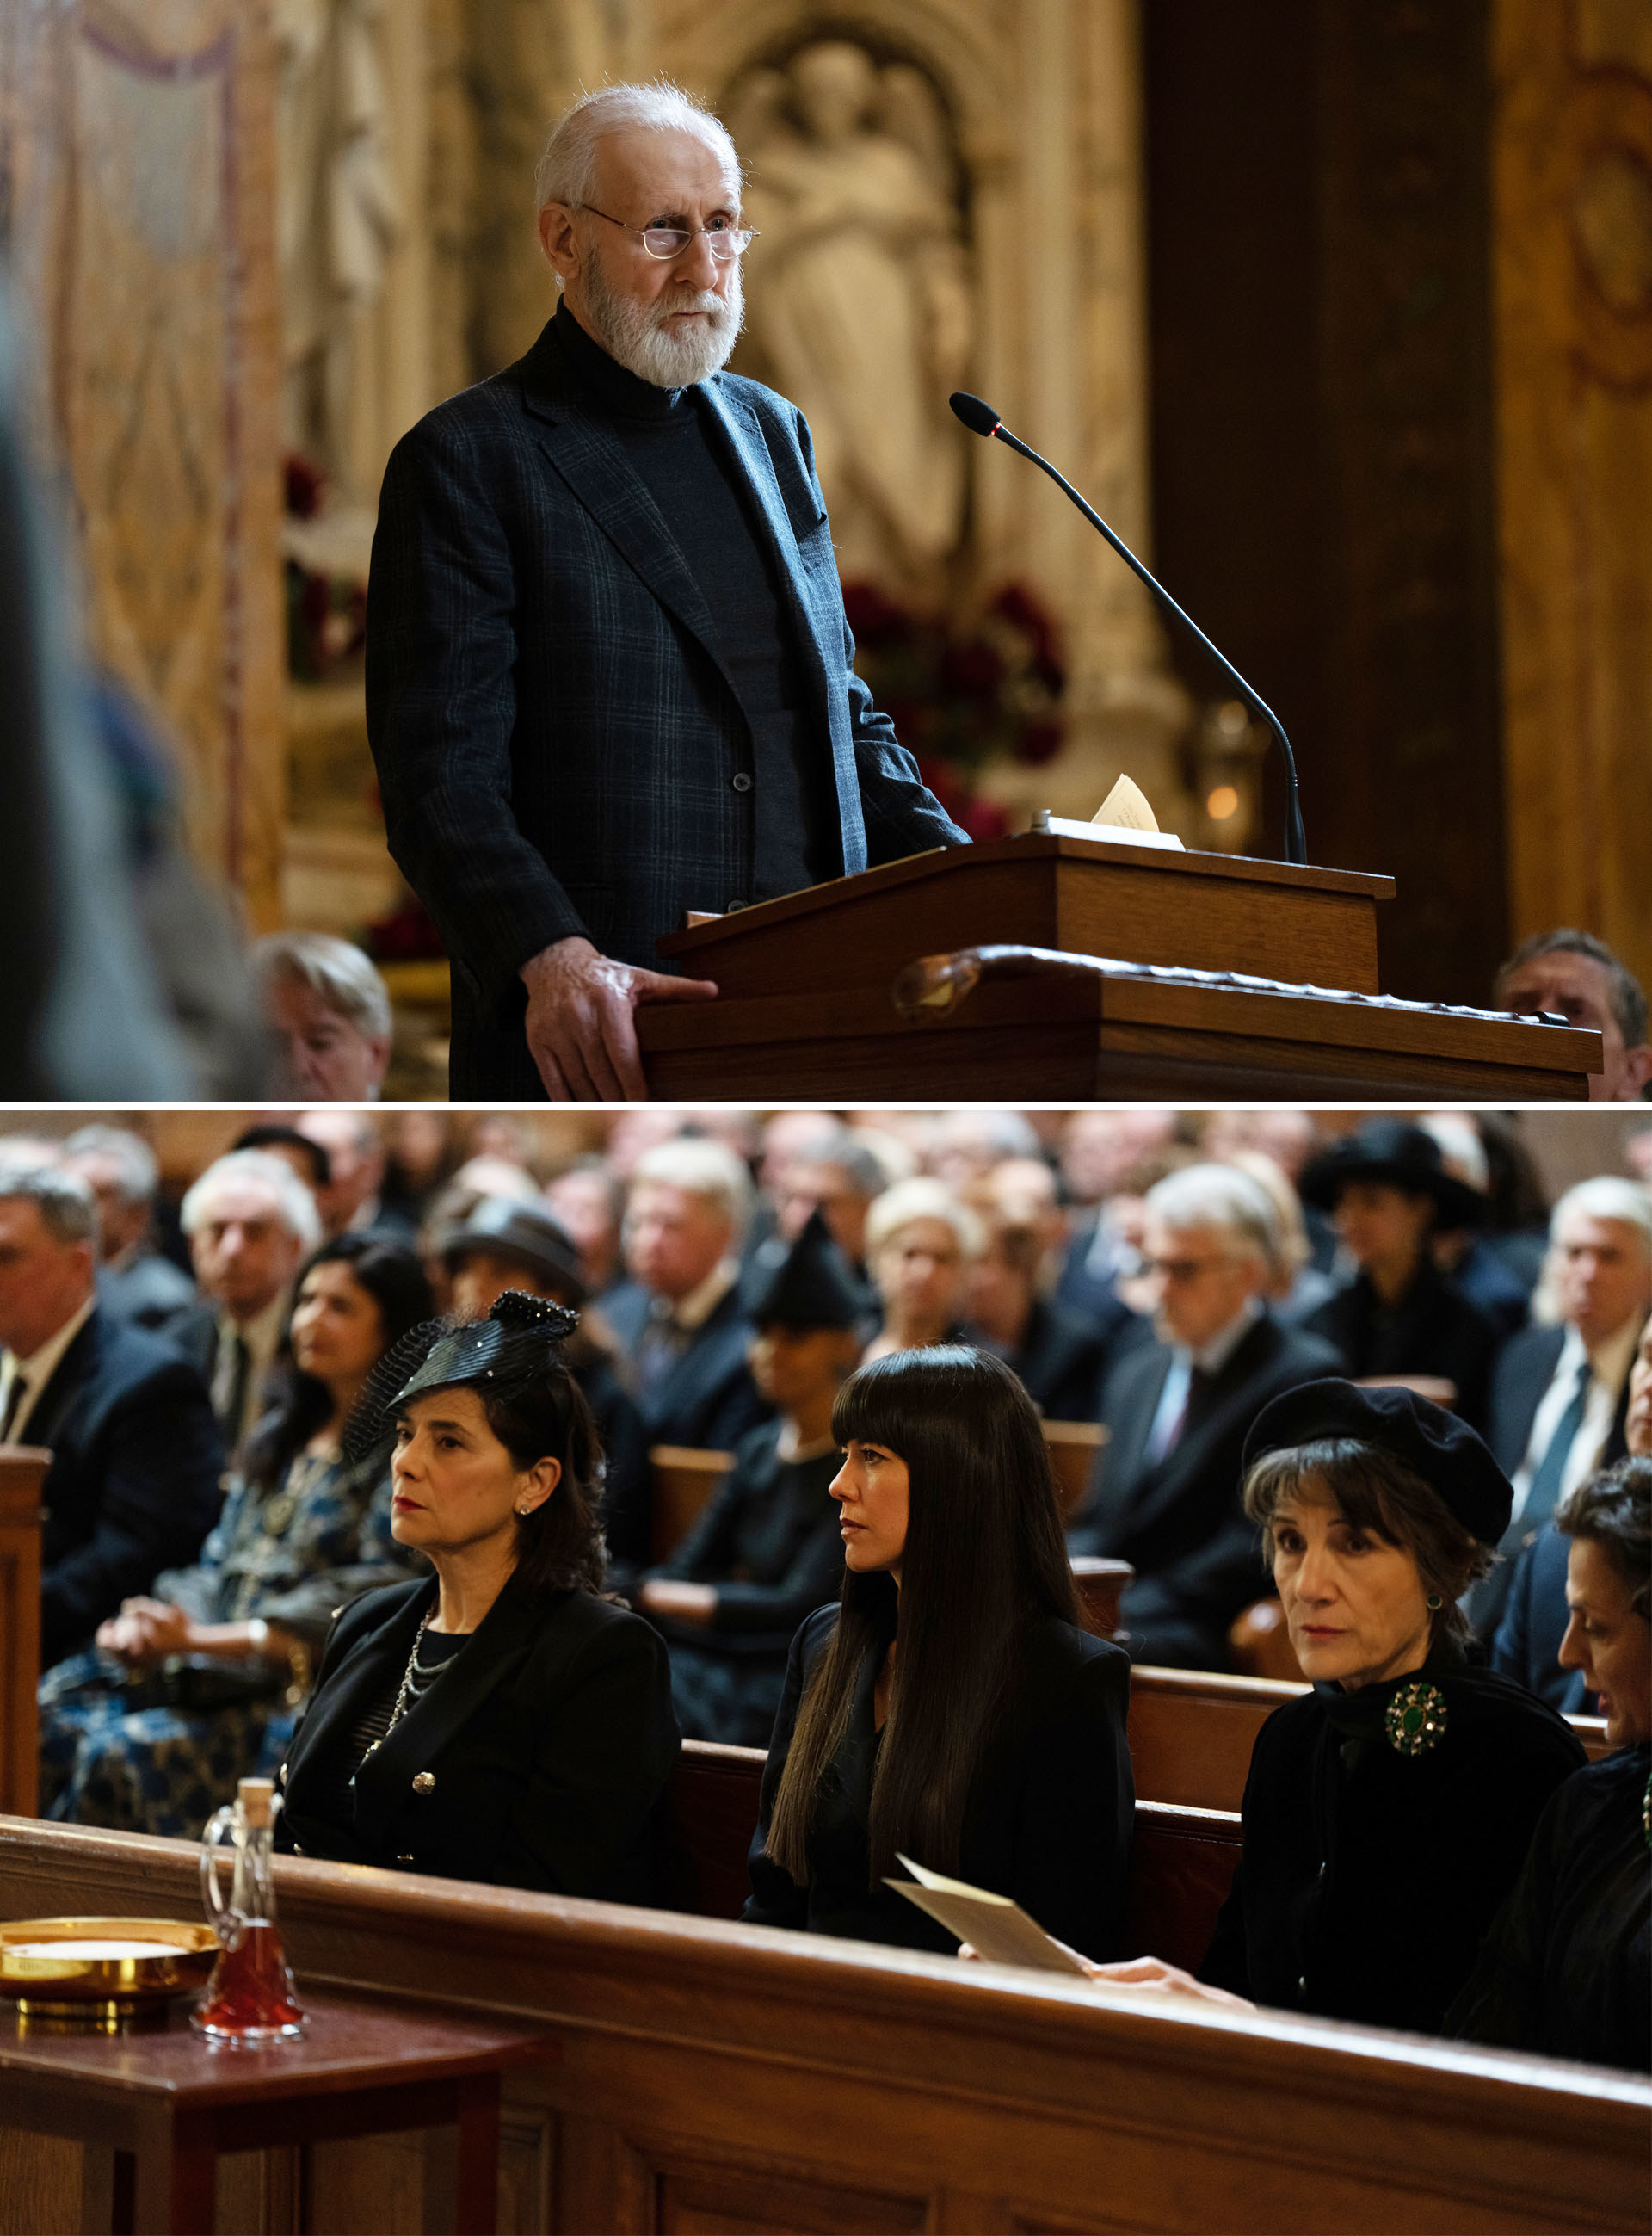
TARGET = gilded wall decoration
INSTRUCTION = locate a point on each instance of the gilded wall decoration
(135, 147)
(1572, 187)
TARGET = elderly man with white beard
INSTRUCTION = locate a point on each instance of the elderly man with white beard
(608, 670)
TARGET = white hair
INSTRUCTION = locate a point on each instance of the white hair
(1461, 1147)
(923, 1197)
(567, 166)
(1219, 1196)
(137, 1169)
(1607, 1197)
(334, 969)
(703, 1169)
(295, 1206)
(62, 1198)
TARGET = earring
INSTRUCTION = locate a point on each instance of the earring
(522, 1513)
(1435, 1603)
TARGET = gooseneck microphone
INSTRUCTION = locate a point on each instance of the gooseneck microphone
(982, 419)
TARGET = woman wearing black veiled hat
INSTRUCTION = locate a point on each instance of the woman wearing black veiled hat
(1388, 1810)
(1387, 1190)
(500, 1721)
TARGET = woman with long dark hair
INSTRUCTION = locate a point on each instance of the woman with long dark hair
(950, 1708)
(501, 1720)
(197, 1683)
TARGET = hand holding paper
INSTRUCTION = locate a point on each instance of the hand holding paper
(999, 1929)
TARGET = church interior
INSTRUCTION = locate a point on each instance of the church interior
(1341, 317)
(988, 1567)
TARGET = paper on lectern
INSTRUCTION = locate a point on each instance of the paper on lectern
(995, 1927)
(1126, 808)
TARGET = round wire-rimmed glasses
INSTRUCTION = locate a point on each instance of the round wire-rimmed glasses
(663, 242)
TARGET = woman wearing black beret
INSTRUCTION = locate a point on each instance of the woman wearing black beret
(950, 1709)
(1568, 1970)
(1388, 1810)
(500, 1720)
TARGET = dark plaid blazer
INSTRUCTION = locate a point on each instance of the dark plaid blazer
(555, 737)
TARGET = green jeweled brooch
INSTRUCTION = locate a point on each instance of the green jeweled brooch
(1415, 1719)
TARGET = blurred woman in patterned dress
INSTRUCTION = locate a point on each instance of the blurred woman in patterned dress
(199, 1683)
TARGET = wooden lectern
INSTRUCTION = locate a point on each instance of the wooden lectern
(805, 1005)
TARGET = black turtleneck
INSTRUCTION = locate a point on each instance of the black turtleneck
(674, 442)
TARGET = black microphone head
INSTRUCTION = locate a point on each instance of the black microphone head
(979, 418)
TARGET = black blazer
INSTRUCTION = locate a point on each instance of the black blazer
(708, 1399)
(1526, 1646)
(1179, 1520)
(1048, 1820)
(1062, 1360)
(1369, 1877)
(557, 740)
(1525, 1369)
(550, 1742)
(134, 1486)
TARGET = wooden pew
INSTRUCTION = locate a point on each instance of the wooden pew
(716, 2076)
(22, 1471)
(1100, 1584)
(1259, 1640)
(1191, 1732)
(1072, 1446)
(682, 1478)
(1180, 1868)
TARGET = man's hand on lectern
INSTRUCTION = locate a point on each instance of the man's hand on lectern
(581, 1030)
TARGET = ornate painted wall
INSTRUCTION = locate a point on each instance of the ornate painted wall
(137, 187)
(1572, 182)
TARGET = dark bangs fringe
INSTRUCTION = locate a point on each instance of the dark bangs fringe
(985, 1551)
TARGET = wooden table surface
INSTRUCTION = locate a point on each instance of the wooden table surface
(350, 2045)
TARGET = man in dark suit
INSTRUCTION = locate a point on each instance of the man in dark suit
(1533, 1623)
(133, 1483)
(680, 1315)
(135, 1282)
(608, 670)
(1168, 1489)
(1560, 1395)
(250, 1222)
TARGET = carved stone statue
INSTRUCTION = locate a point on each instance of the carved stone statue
(337, 217)
(859, 302)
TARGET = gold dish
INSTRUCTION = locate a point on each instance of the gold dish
(99, 1969)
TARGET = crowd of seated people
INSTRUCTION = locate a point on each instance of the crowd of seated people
(386, 1432)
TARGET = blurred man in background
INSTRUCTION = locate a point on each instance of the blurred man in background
(679, 1315)
(330, 1013)
(1574, 976)
(133, 1484)
(135, 1282)
(251, 1223)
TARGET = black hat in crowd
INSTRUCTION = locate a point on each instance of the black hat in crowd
(1400, 1155)
(1434, 1444)
(524, 1234)
(517, 1345)
(813, 1286)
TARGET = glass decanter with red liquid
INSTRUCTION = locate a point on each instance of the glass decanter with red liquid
(251, 1996)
